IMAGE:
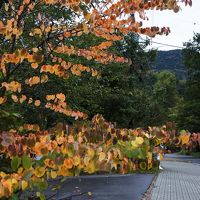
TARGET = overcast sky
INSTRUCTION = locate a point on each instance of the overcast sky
(182, 25)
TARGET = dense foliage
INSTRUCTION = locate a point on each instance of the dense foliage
(189, 110)
(50, 52)
(91, 147)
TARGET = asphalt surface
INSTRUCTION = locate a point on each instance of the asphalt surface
(182, 158)
(114, 187)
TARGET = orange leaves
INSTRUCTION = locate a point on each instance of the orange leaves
(34, 58)
(184, 138)
(78, 68)
(69, 50)
(6, 187)
(74, 156)
(61, 108)
(68, 163)
(2, 100)
(13, 86)
(50, 97)
(100, 56)
(29, 127)
(87, 15)
(59, 105)
(54, 69)
(60, 97)
(11, 58)
(33, 80)
(10, 29)
(34, 65)
(20, 55)
(97, 146)
(103, 45)
(36, 80)
(26, 1)
(63, 171)
(49, 163)
(95, 53)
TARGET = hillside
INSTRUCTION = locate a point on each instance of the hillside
(172, 61)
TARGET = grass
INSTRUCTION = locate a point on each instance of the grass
(195, 154)
(191, 153)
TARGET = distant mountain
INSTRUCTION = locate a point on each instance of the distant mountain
(172, 61)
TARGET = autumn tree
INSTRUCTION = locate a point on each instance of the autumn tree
(36, 44)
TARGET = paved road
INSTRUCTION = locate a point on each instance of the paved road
(178, 181)
(114, 187)
(182, 158)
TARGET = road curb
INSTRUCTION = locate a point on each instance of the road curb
(148, 193)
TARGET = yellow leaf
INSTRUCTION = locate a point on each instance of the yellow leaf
(20, 170)
(85, 28)
(90, 168)
(90, 153)
(160, 155)
(134, 144)
(62, 170)
(8, 184)
(53, 174)
(50, 97)
(14, 98)
(87, 16)
(76, 160)
(39, 171)
(185, 138)
(86, 160)
(139, 140)
(102, 156)
(64, 149)
(24, 185)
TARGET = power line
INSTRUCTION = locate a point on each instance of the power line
(169, 45)
(163, 44)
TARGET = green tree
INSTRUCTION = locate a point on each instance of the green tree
(189, 110)
(122, 92)
(164, 96)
